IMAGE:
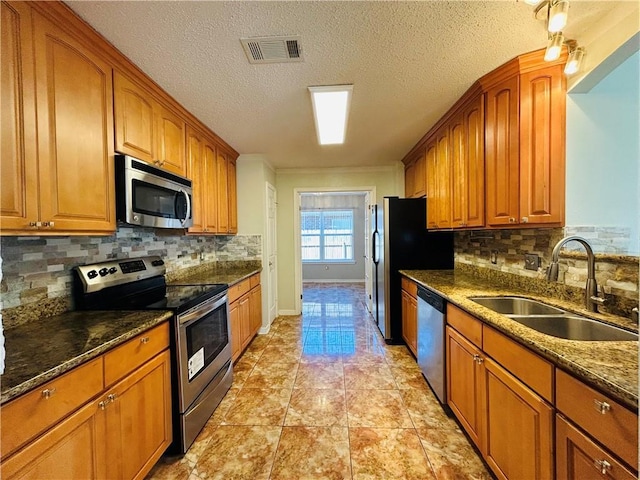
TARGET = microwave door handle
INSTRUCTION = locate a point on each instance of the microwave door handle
(188, 214)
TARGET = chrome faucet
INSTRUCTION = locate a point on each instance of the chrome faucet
(591, 298)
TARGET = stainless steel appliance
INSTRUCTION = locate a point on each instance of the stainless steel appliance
(400, 241)
(431, 341)
(151, 197)
(200, 349)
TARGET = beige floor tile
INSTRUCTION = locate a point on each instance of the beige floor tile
(398, 356)
(317, 408)
(388, 454)
(258, 406)
(424, 409)
(368, 376)
(274, 375)
(281, 353)
(408, 376)
(239, 453)
(451, 455)
(318, 375)
(312, 453)
(224, 406)
(377, 408)
(171, 468)
(260, 342)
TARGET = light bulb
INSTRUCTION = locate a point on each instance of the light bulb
(574, 61)
(558, 11)
(554, 47)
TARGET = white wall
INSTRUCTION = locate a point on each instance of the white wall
(253, 172)
(603, 152)
(387, 180)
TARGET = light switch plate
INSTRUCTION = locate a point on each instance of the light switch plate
(531, 261)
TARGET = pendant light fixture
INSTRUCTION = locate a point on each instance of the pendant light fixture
(558, 12)
(574, 61)
(554, 47)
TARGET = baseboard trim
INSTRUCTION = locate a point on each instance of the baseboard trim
(337, 280)
(288, 312)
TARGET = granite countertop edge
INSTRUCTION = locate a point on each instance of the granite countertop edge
(576, 357)
(41, 378)
(212, 276)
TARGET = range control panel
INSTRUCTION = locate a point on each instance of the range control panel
(97, 276)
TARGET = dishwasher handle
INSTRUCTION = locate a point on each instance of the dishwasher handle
(433, 299)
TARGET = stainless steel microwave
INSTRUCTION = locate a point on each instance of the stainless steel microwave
(151, 197)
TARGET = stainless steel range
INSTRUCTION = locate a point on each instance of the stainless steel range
(201, 351)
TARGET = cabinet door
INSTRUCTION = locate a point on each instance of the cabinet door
(409, 180)
(223, 193)
(578, 457)
(443, 169)
(431, 159)
(232, 197)
(75, 448)
(420, 187)
(464, 380)
(18, 164)
(255, 302)
(211, 188)
(459, 179)
(75, 132)
(245, 320)
(236, 329)
(139, 427)
(502, 153)
(473, 118)
(196, 171)
(542, 146)
(171, 137)
(134, 118)
(517, 439)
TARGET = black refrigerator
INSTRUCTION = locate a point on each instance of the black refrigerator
(400, 241)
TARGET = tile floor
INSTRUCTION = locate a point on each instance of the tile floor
(321, 396)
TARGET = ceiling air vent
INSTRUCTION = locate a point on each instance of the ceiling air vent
(273, 49)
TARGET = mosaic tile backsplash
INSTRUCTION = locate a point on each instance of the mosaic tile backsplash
(616, 272)
(38, 269)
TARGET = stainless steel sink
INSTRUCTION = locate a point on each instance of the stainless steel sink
(516, 306)
(573, 327)
(554, 321)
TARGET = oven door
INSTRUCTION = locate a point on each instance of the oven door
(203, 347)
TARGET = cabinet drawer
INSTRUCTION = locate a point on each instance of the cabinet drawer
(616, 428)
(239, 289)
(130, 355)
(254, 281)
(466, 324)
(34, 412)
(524, 364)
(409, 286)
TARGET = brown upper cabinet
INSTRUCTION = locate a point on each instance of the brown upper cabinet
(146, 129)
(496, 158)
(415, 176)
(57, 146)
(70, 100)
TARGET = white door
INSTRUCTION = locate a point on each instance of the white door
(272, 253)
(368, 280)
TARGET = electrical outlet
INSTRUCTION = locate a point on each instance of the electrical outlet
(493, 257)
(531, 261)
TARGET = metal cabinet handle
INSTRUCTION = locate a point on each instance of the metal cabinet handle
(144, 340)
(478, 359)
(603, 466)
(33, 224)
(46, 393)
(512, 220)
(102, 405)
(112, 397)
(525, 220)
(602, 407)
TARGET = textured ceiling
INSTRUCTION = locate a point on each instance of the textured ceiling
(408, 61)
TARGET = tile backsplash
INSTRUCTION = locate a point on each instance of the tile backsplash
(37, 269)
(615, 271)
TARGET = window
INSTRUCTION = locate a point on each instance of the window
(327, 235)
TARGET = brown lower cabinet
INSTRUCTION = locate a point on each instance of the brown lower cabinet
(505, 397)
(120, 434)
(245, 313)
(409, 295)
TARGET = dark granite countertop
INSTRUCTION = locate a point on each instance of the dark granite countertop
(43, 349)
(610, 366)
(215, 274)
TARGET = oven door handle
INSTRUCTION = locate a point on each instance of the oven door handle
(201, 310)
(188, 213)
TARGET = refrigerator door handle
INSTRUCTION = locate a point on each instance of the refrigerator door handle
(375, 258)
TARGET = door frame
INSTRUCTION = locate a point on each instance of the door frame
(371, 190)
(271, 281)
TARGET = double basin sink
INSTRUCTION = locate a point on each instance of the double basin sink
(554, 321)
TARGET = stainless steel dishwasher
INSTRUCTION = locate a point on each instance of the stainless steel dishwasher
(431, 341)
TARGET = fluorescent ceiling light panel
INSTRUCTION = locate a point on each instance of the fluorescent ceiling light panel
(330, 111)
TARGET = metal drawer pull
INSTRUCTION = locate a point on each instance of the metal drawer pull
(102, 405)
(478, 359)
(48, 392)
(602, 407)
(112, 397)
(603, 466)
(144, 340)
